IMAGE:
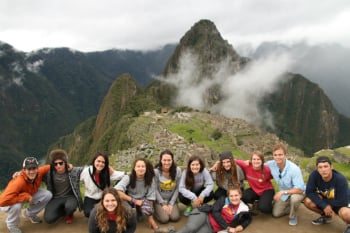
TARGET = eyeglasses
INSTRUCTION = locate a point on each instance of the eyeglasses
(58, 163)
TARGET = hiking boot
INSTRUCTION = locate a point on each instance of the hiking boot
(322, 220)
(347, 229)
(69, 219)
(293, 221)
(188, 211)
(33, 219)
(15, 230)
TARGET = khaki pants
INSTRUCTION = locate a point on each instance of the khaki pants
(290, 206)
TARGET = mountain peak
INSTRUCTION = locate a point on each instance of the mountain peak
(207, 46)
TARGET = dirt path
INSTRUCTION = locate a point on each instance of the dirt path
(261, 224)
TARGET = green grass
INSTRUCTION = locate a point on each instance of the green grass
(343, 168)
(199, 132)
(343, 150)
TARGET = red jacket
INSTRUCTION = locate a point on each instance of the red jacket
(20, 189)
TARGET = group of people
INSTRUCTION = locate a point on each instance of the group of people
(154, 192)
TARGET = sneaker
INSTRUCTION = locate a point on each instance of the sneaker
(33, 219)
(322, 220)
(15, 230)
(347, 230)
(293, 221)
(188, 211)
(69, 219)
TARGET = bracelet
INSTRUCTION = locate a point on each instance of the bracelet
(133, 201)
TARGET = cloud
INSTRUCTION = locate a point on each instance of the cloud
(245, 89)
(242, 91)
(94, 25)
(35, 66)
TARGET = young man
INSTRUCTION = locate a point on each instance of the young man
(65, 187)
(25, 189)
(290, 182)
(327, 193)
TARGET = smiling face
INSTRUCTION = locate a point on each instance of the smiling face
(109, 202)
(226, 164)
(195, 167)
(99, 163)
(166, 161)
(234, 196)
(280, 157)
(140, 169)
(256, 162)
(31, 173)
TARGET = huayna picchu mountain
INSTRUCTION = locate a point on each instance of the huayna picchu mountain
(299, 110)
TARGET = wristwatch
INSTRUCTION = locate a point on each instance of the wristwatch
(286, 192)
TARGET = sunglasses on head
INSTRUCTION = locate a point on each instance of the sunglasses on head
(58, 163)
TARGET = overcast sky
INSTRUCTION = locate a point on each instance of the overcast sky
(93, 25)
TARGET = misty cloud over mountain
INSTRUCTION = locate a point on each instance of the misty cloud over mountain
(324, 64)
(241, 92)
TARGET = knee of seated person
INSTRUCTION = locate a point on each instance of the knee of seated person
(344, 213)
(49, 220)
(308, 202)
(16, 206)
(175, 218)
(163, 219)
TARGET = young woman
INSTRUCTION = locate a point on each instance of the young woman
(167, 178)
(96, 178)
(138, 189)
(228, 214)
(111, 215)
(259, 178)
(227, 174)
(196, 185)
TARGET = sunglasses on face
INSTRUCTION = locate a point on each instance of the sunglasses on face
(58, 163)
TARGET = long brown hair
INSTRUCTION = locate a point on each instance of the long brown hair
(173, 164)
(148, 175)
(221, 174)
(104, 175)
(189, 181)
(120, 212)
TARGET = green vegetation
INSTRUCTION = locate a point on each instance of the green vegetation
(343, 150)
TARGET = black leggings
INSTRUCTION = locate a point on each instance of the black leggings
(265, 200)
